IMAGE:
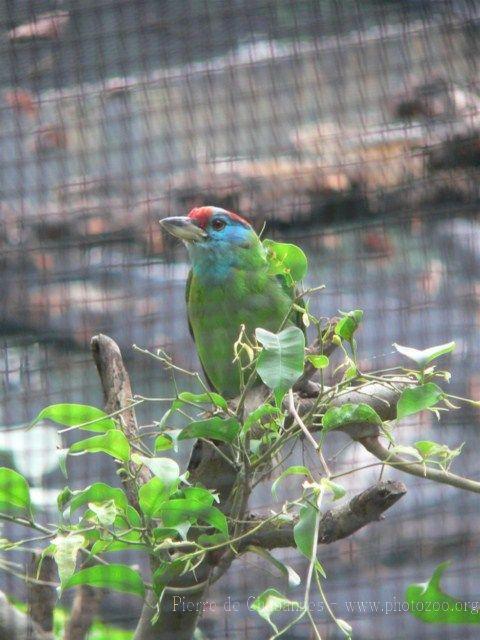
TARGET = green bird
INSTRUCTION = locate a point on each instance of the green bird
(229, 285)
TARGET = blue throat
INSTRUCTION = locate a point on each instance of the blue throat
(213, 264)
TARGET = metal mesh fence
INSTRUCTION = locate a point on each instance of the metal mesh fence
(351, 128)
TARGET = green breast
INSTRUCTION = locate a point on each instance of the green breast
(217, 312)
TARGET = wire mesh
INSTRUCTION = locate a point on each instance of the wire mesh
(351, 128)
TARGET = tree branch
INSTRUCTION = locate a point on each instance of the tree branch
(15, 625)
(41, 597)
(375, 447)
(118, 397)
(205, 464)
(383, 397)
(84, 609)
(338, 523)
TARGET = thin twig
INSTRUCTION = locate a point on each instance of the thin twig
(308, 435)
(374, 446)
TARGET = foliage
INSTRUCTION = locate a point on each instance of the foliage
(281, 360)
(176, 523)
(80, 416)
(429, 603)
(14, 491)
(287, 260)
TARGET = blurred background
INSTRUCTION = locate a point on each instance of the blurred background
(349, 127)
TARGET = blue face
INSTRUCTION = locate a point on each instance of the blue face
(222, 249)
(224, 228)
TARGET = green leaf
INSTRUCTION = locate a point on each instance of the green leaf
(436, 452)
(214, 428)
(429, 603)
(271, 601)
(429, 449)
(294, 470)
(280, 362)
(181, 529)
(204, 398)
(166, 469)
(64, 498)
(77, 415)
(287, 260)
(278, 396)
(333, 487)
(105, 512)
(153, 494)
(97, 492)
(201, 495)
(175, 511)
(119, 577)
(350, 372)
(406, 450)
(418, 398)
(163, 442)
(304, 530)
(133, 517)
(172, 436)
(65, 550)
(62, 461)
(126, 544)
(348, 324)
(285, 570)
(349, 414)
(319, 362)
(422, 358)
(14, 491)
(114, 443)
(257, 414)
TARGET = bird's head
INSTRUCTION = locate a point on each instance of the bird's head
(208, 225)
(216, 239)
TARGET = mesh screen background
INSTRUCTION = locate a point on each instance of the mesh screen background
(351, 128)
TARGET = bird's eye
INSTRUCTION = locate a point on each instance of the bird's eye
(218, 224)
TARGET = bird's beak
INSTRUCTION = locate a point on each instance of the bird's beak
(183, 228)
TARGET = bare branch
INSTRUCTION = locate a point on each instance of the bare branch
(118, 397)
